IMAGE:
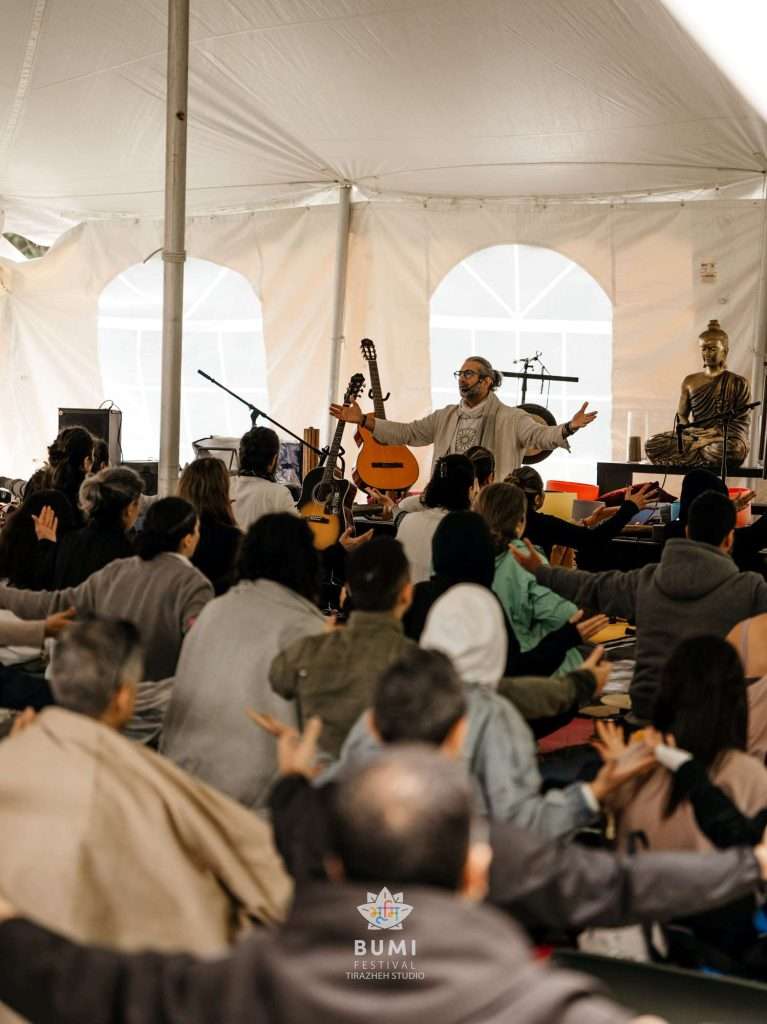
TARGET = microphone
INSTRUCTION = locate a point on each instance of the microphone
(202, 373)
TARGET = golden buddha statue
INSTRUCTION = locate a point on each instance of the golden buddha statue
(711, 392)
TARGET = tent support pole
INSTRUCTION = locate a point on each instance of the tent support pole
(339, 295)
(173, 253)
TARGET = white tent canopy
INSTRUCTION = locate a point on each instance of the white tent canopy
(434, 97)
(461, 123)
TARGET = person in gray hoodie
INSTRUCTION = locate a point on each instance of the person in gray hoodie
(695, 589)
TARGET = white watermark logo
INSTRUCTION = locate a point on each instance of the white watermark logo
(385, 911)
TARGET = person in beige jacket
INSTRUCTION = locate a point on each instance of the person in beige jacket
(108, 842)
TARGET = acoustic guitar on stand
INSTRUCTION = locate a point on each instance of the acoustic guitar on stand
(386, 467)
(326, 498)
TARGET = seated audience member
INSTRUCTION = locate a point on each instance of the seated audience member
(483, 461)
(696, 588)
(748, 540)
(332, 675)
(224, 663)
(449, 490)
(702, 703)
(111, 842)
(110, 502)
(205, 484)
(749, 638)
(466, 623)
(463, 552)
(255, 492)
(543, 884)
(25, 562)
(100, 455)
(533, 610)
(545, 531)
(477, 964)
(19, 688)
(70, 460)
(158, 590)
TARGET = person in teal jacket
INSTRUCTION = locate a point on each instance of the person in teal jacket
(533, 610)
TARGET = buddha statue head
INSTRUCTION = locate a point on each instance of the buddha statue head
(714, 346)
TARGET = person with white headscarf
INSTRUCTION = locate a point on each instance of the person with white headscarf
(466, 623)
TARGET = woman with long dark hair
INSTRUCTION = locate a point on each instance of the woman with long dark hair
(26, 562)
(70, 459)
(205, 485)
(702, 702)
(225, 661)
(158, 590)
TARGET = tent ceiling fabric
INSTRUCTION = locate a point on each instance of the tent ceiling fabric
(465, 98)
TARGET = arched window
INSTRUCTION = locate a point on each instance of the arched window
(511, 301)
(223, 335)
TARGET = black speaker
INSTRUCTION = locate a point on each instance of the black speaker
(148, 471)
(103, 423)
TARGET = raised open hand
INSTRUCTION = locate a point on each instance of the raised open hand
(529, 559)
(583, 418)
(46, 524)
(348, 413)
(296, 752)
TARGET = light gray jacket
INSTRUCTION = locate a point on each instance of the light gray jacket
(161, 597)
(506, 430)
(500, 754)
(224, 669)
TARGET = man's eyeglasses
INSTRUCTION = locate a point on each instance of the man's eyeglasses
(467, 374)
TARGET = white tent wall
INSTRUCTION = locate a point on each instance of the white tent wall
(48, 316)
(646, 257)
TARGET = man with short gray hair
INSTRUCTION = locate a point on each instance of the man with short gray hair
(95, 670)
(106, 841)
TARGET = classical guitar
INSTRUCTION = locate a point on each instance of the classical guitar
(387, 467)
(326, 499)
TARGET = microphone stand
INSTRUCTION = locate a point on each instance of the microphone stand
(723, 419)
(255, 412)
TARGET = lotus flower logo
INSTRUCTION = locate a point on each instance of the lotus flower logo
(385, 911)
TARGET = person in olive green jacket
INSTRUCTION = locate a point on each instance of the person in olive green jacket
(333, 675)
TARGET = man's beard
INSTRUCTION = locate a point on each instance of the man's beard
(472, 392)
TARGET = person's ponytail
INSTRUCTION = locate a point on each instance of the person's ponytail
(104, 496)
(167, 522)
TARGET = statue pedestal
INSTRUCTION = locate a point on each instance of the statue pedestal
(612, 475)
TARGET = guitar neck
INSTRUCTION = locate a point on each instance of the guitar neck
(335, 447)
(375, 387)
